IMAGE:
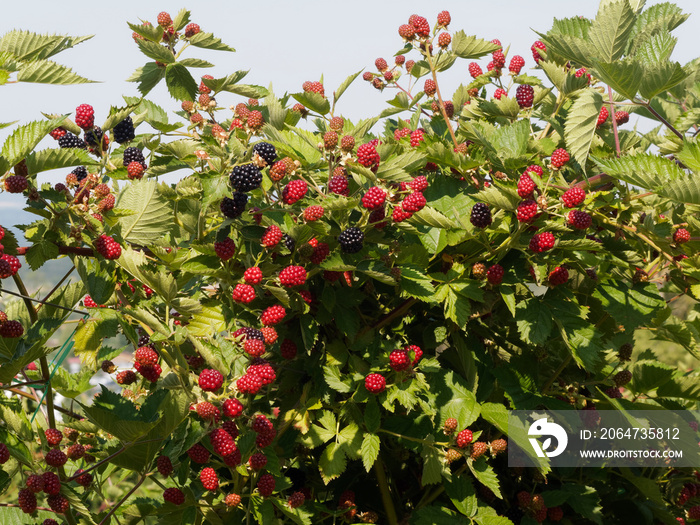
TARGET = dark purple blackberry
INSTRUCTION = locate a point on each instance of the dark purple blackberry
(234, 206)
(289, 242)
(246, 177)
(124, 131)
(93, 137)
(134, 155)
(252, 333)
(481, 215)
(144, 340)
(71, 141)
(266, 151)
(351, 240)
(80, 172)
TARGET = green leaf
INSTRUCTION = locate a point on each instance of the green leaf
(210, 320)
(631, 307)
(463, 496)
(39, 253)
(25, 138)
(690, 154)
(148, 31)
(496, 414)
(334, 379)
(147, 76)
(659, 78)
(370, 450)
(611, 30)
(573, 48)
(153, 214)
(431, 515)
(585, 501)
(51, 159)
(224, 84)
(625, 77)
(658, 18)
(156, 51)
(431, 217)
(99, 282)
(247, 90)
(209, 41)
(48, 72)
(485, 474)
(470, 46)
(457, 306)
(432, 465)
(657, 49)
(181, 19)
(332, 462)
(649, 375)
(455, 399)
(576, 26)
(28, 46)
(344, 85)
(492, 520)
(503, 198)
(180, 83)
(314, 102)
(580, 126)
(534, 320)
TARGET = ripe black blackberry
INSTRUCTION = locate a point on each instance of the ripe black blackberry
(233, 207)
(93, 137)
(250, 333)
(124, 131)
(80, 173)
(289, 242)
(266, 151)
(246, 177)
(144, 340)
(481, 215)
(351, 240)
(71, 141)
(134, 155)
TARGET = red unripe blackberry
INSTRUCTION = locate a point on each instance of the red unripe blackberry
(174, 495)
(26, 501)
(253, 275)
(573, 197)
(209, 479)
(164, 466)
(85, 116)
(52, 483)
(499, 59)
(541, 242)
(558, 276)
(134, 170)
(270, 334)
(621, 117)
(191, 30)
(526, 186)
(313, 87)
(367, 155)
(430, 87)
(347, 143)
(414, 202)
(602, 116)
(375, 383)
(320, 252)
(210, 380)
(197, 119)
(497, 446)
(538, 45)
(536, 169)
(232, 408)
(444, 18)
(272, 236)
(525, 94)
(555, 514)
(559, 158)
(294, 190)
(416, 352)
(337, 123)
(126, 377)
(492, 67)
(57, 133)
(351, 240)
(231, 428)
(222, 442)
(243, 293)
(272, 315)
(11, 267)
(479, 270)
(330, 139)
(494, 274)
(249, 384)
(381, 64)
(75, 451)
(257, 461)
(373, 198)
(149, 372)
(288, 349)
(407, 32)
(225, 249)
(480, 215)
(479, 448)
(108, 247)
(399, 359)
(35, 483)
(500, 93)
(475, 70)
(527, 210)
(420, 24)
(254, 347)
(266, 485)
(579, 219)
(464, 438)
(85, 479)
(338, 184)
(16, 183)
(265, 439)
(292, 276)
(145, 355)
(417, 137)
(622, 378)
(206, 410)
(681, 235)
(313, 213)
(55, 458)
(164, 20)
(449, 426)
(11, 329)
(198, 453)
(232, 500)
(516, 64)
(296, 500)
(444, 40)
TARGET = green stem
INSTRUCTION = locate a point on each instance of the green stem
(121, 501)
(384, 490)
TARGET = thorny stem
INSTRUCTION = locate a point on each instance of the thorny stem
(663, 120)
(384, 490)
(121, 501)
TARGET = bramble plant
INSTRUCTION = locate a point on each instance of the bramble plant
(314, 311)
